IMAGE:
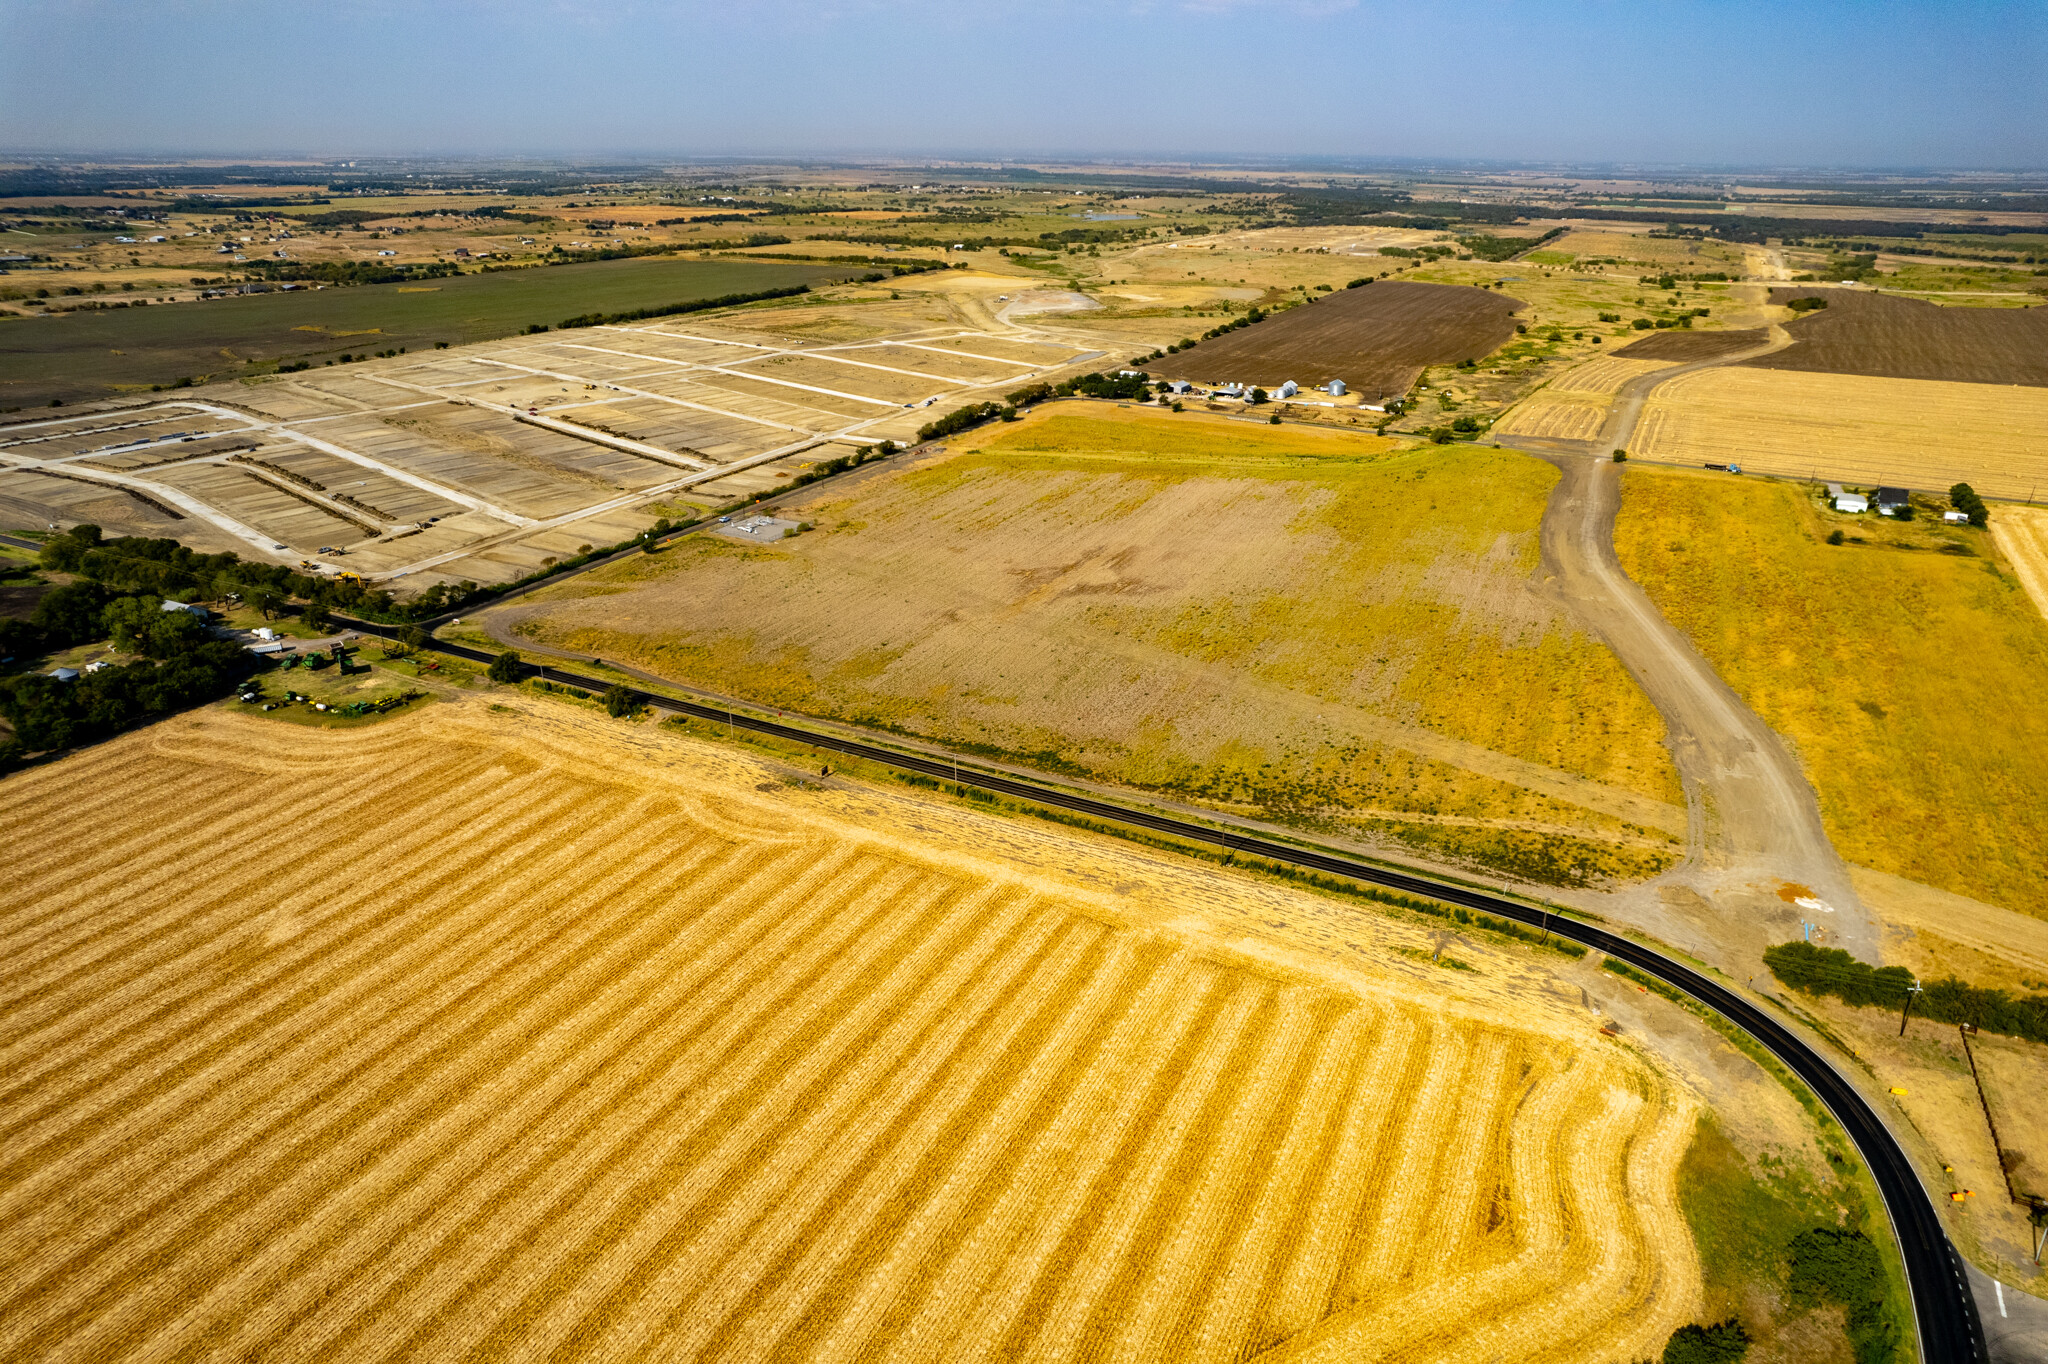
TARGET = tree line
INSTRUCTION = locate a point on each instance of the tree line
(1817, 970)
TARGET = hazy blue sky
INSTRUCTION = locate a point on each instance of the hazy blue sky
(1775, 82)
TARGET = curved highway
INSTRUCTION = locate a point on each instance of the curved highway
(1943, 1308)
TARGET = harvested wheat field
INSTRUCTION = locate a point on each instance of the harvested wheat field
(509, 1032)
(1318, 626)
(1375, 338)
(2021, 534)
(1852, 428)
(1575, 406)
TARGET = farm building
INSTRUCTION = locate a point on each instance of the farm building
(1335, 388)
(1288, 389)
(1843, 501)
(65, 674)
(1956, 518)
(201, 612)
(1890, 500)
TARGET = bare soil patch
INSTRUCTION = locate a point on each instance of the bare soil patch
(1685, 346)
(1376, 338)
(1907, 338)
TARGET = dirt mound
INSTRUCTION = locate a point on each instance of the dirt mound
(1684, 346)
(1906, 338)
(1375, 338)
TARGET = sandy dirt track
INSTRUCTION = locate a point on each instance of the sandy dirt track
(538, 1036)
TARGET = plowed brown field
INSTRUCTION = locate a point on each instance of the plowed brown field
(532, 1038)
(1687, 346)
(1375, 338)
(1909, 338)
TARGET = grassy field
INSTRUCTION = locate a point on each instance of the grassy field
(536, 1035)
(84, 355)
(1851, 428)
(1317, 626)
(1895, 669)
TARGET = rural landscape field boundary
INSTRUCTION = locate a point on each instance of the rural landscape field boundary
(1944, 1311)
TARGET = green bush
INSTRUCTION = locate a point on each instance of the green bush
(1827, 1265)
(505, 667)
(1722, 1343)
(1831, 971)
(620, 701)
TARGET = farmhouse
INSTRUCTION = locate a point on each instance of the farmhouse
(1890, 500)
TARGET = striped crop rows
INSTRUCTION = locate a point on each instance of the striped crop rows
(427, 1051)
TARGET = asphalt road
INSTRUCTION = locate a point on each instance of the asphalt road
(16, 542)
(1943, 1306)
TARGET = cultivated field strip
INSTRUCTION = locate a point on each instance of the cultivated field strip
(400, 1045)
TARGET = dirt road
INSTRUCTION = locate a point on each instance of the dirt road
(1753, 819)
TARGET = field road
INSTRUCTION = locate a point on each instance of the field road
(1945, 1312)
(1751, 812)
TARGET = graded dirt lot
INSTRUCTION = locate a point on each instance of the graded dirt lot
(530, 1035)
(1683, 347)
(1376, 338)
(1854, 429)
(1317, 626)
(1890, 666)
(1909, 338)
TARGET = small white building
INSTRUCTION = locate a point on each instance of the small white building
(1844, 501)
(1956, 518)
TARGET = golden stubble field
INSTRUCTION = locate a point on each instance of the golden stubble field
(511, 1032)
(1852, 428)
(1312, 625)
(1576, 404)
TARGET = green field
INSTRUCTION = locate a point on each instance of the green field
(84, 355)
(1903, 671)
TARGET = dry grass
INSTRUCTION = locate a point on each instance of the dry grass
(1895, 669)
(1916, 433)
(1315, 625)
(555, 1040)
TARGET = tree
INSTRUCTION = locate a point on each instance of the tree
(1621, 456)
(620, 701)
(1835, 537)
(505, 667)
(315, 615)
(1259, 395)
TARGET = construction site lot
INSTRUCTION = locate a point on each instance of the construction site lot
(1853, 429)
(1318, 627)
(508, 1030)
(490, 462)
(1892, 663)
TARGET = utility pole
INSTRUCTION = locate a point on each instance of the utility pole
(1909, 1007)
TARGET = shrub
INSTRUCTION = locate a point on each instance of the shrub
(620, 701)
(1835, 537)
(505, 667)
(1843, 1267)
(1723, 1343)
(1806, 305)
(1620, 456)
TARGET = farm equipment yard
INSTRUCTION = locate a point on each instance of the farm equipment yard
(490, 461)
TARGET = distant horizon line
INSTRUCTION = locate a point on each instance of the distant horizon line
(1186, 161)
